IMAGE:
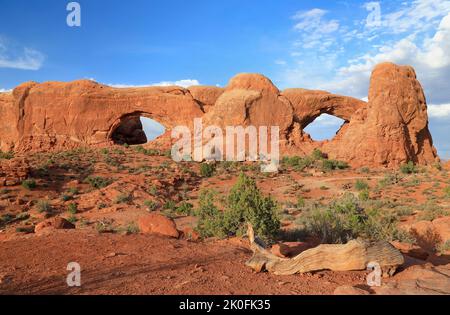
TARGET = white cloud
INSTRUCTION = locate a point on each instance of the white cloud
(420, 15)
(430, 58)
(439, 111)
(19, 58)
(328, 120)
(280, 62)
(425, 45)
(315, 29)
(339, 55)
(5, 91)
(182, 83)
(314, 21)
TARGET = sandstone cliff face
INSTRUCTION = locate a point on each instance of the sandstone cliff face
(53, 115)
(392, 128)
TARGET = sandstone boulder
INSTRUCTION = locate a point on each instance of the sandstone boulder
(206, 96)
(56, 223)
(442, 228)
(430, 234)
(418, 280)
(155, 223)
(411, 250)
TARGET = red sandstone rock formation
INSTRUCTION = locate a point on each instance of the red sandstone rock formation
(392, 128)
(13, 172)
(155, 223)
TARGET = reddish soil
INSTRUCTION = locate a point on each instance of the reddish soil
(140, 264)
(126, 262)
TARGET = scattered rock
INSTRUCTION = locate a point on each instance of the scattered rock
(155, 223)
(13, 171)
(190, 234)
(430, 234)
(56, 223)
(418, 280)
(442, 228)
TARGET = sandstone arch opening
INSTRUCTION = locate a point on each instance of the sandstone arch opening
(324, 127)
(136, 129)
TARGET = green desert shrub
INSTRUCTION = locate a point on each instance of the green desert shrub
(29, 184)
(364, 195)
(185, 208)
(296, 162)
(170, 205)
(447, 192)
(300, 202)
(330, 165)
(151, 205)
(361, 185)
(132, 228)
(345, 219)
(389, 179)
(317, 154)
(123, 198)
(43, 206)
(408, 168)
(6, 155)
(72, 219)
(98, 182)
(245, 204)
(207, 170)
(72, 208)
(210, 218)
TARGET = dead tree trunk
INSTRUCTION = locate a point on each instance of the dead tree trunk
(355, 255)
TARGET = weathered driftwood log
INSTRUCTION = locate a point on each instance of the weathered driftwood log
(355, 255)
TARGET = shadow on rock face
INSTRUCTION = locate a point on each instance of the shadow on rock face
(129, 131)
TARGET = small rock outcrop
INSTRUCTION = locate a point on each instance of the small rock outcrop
(154, 223)
(418, 280)
(13, 172)
(56, 223)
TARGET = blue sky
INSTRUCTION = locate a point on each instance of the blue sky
(331, 45)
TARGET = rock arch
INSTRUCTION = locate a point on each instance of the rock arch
(392, 128)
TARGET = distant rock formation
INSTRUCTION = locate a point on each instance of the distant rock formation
(392, 128)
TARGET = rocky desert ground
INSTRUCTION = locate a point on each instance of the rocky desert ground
(98, 207)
